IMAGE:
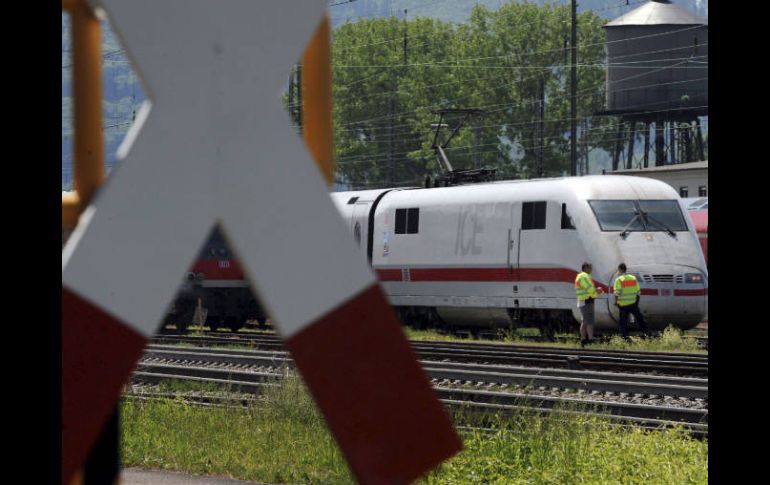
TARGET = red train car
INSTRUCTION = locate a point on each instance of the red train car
(700, 219)
(215, 285)
(698, 209)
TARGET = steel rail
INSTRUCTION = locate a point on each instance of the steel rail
(700, 339)
(473, 400)
(520, 376)
(694, 429)
(267, 339)
(695, 365)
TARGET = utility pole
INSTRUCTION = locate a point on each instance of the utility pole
(542, 129)
(292, 107)
(391, 142)
(476, 144)
(584, 164)
(298, 85)
(573, 97)
(631, 138)
(406, 37)
(391, 131)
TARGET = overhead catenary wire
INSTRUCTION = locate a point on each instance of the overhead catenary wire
(383, 70)
(608, 129)
(440, 64)
(559, 49)
(565, 21)
(500, 106)
(628, 65)
(512, 81)
(623, 79)
(375, 129)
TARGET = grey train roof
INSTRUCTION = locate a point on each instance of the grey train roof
(658, 13)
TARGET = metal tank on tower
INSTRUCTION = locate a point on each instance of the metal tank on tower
(657, 83)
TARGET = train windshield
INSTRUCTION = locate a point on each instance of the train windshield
(638, 215)
(662, 215)
(617, 215)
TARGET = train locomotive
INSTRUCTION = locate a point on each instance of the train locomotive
(502, 254)
(215, 292)
(507, 253)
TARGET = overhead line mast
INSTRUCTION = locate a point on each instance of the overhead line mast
(573, 94)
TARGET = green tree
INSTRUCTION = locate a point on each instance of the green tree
(495, 62)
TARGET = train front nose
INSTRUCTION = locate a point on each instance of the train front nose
(671, 295)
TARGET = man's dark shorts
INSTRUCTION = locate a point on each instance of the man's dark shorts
(587, 312)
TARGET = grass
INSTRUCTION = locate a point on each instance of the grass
(182, 386)
(529, 449)
(284, 440)
(671, 339)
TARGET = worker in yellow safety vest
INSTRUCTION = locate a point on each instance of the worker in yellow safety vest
(586, 293)
(627, 294)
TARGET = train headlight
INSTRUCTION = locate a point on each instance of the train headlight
(693, 278)
(200, 276)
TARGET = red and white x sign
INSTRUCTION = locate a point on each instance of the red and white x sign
(214, 145)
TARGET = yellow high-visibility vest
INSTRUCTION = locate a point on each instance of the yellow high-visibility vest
(584, 287)
(626, 289)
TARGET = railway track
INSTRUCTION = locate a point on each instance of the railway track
(684, 364)
(640, 399)
(146, 393)
(702, 340)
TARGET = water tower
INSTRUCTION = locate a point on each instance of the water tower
(657, 82)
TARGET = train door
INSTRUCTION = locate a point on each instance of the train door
(537, 249)
(532, 238)
(359, 224)
(514, 238)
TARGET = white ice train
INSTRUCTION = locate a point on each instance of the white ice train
(507, 253)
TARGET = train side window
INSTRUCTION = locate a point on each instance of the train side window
(407, 221)
(566, 220)
(412, 221)
(400, 221)
(352, 200)
(533, 215)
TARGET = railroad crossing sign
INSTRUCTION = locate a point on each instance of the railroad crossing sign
(214, 146)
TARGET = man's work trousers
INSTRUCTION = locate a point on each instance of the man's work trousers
(633, 310)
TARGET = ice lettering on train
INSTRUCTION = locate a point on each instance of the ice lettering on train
(467, 231)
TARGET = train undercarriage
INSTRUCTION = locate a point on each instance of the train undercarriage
(476, 320)
(215, 308)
